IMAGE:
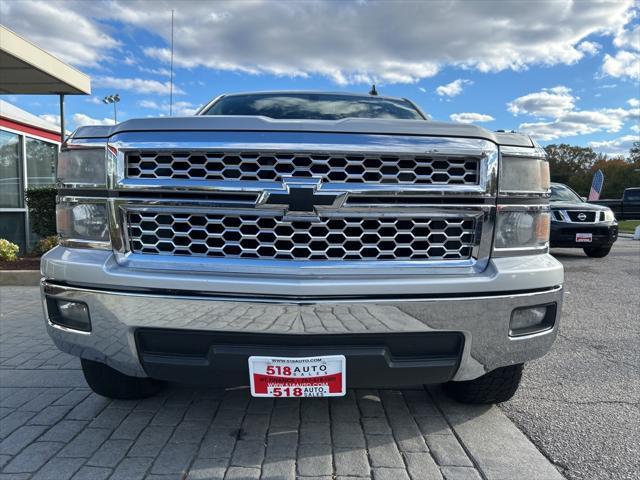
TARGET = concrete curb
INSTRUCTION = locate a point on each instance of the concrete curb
(20, 278)
(497, 447)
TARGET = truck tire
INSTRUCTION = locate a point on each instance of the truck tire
(108, 382)
(597, 252)
(497, 386)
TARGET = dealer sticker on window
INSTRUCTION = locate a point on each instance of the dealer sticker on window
(323, 376)
(584, 237)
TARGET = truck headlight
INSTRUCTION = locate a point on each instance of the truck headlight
(83, 224)
(609, 216)
(82, 167)
(522, 175)
(522, 228)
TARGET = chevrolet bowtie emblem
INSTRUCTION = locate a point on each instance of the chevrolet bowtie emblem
(301, 195)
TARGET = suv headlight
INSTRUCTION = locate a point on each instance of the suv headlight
(82, 167)
(83, 223)
(522, 228)
(609, 216)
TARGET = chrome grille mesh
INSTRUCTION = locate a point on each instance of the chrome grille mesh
(331, 167)
(329, 238)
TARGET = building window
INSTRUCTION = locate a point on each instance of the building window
(12, 228)
(10, 185)
(41, 162)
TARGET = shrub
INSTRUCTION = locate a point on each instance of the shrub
(8, 251)
(45, 244)
(42, 209)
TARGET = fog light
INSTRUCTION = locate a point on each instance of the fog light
(69, 314)
(528, 320)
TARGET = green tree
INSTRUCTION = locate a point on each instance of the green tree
(571, 165)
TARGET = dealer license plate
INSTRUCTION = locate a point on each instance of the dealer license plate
(584, 237)
(323, 376)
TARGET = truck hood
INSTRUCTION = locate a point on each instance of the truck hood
(348, 125)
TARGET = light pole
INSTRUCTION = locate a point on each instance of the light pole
(115, 98)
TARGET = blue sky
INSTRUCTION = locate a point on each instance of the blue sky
(563, 71)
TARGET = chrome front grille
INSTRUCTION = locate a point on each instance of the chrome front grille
(368, 168)
(246, 235)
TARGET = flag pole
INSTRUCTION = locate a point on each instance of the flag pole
(171, 68)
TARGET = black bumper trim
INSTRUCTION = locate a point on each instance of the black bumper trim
(373, 360)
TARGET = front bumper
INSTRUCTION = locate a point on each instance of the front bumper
(563, 235)
(477, 309)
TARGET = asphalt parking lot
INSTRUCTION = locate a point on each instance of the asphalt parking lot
(580, 404)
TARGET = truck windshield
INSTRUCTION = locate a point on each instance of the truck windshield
(311, 106)
(560, 193)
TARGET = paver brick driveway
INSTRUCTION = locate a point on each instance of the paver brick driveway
(53, 427)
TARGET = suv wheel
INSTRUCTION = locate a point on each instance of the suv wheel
(109, 382)
(597, 252)
(497, 386)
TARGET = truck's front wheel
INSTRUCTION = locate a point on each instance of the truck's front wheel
(497, 386)
(597, 252)
(108, 382)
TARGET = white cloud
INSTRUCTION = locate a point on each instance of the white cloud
(580, 122)
(180, 109)
(149, 104)
(51, 118)
(94, 100)
(551, 102)
(259, 37)
(590, 48)
(634, 102)
(138, 85)
(326, 45)
(130, 60)
(623, 64)
(81, 120)
(628, 39)
(264, 37)
(470, 117)
(61, 28)
(454, 88)
(616, 147)
(164, 72)
(558, 104)
(422, 89)
(635, 128)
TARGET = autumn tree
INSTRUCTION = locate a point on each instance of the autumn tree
(575, 166)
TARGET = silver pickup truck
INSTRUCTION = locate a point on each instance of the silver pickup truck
(301, 244)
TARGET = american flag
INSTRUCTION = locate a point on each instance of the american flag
(596, 186)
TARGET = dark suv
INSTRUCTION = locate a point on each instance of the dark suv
(578, 224)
